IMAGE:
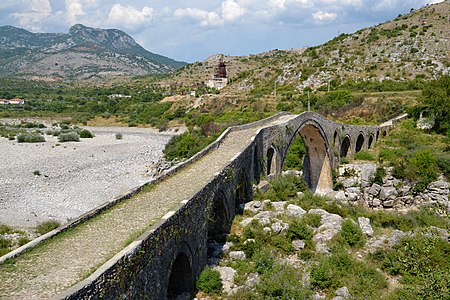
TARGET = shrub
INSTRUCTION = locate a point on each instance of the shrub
(209, 281)
(186, 145)
(423, 262)
(351, 233)
(69, 137)
(264, 261)
(86, 134)
(364, 155)
(37, 173)
(298, 230)
(5, 229)
(47, 226)
(378, 176)
(30, 138)
(312, 220)
(285, 187)
(119, 136)
(340, 269)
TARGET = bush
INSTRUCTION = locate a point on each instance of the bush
(86, 134)
(340, 269)
(378, 176)
(352, 234)
(298, 230)
(119, 136)
(47, 226)
(30, 138)
(69, 137)
(209, 281)
(186, 145)
(285, 187)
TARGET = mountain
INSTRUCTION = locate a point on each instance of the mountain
(414, 45)
(82, 53)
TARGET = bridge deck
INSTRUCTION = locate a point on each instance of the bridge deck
(71, 256)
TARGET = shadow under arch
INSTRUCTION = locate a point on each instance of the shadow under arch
(359, 142)
(345, 145)
(317, 164)
(371, 141)
(219, 219)
(242, 192)
(181, 279)
(271, 161)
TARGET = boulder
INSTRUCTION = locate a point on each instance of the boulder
(263, 186)
(374, 189)
(386, 192)
(295, 211)
(237, 255)
(279, 227)
(389, 203)
(227, 277)
(253, 206)
(342, 294)
(298, 244)
(246, 222)
(279, 206)
(364, 225)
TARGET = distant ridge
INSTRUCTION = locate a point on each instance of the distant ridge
(82, 53)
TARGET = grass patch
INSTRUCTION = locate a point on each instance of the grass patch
(47, 226)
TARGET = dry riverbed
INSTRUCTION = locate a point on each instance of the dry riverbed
(60, 181)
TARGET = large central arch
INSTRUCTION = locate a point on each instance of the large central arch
(317, 166)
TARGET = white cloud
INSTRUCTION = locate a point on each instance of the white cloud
(129, 17)
(324, 16)
(74, 9)
(232, 11)
(32, 18)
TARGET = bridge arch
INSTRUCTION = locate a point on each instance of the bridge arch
(272, 166)
(317, 162)
(359, 142)
(345, 146)
(219, 219)
(371, 141)
(181, 278)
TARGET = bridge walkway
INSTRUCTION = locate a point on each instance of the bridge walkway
(68, 258)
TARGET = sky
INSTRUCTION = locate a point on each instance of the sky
(193, 30)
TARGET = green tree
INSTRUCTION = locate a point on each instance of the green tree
(436, 99)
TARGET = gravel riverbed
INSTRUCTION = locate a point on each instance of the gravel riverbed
(75, 177)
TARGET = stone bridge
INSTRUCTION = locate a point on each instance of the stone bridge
(152, 242)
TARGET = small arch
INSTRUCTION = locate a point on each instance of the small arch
(370, 141)
(359, 143)
(181, 283)
(271, 161)
(219, 219)
(345, 145)
(384, 132)
(378, 135)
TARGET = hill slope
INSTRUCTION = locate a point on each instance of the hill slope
(82, 53)
(415, 45)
